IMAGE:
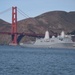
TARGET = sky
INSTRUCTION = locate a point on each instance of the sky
(34, 8)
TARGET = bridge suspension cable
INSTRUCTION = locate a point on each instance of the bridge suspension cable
(22, 13)
(5, 11)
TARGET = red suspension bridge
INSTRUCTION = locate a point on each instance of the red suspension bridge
(14, 34)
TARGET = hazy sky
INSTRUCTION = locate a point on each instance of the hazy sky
(34, 7)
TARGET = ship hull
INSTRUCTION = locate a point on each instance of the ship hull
(58, 45)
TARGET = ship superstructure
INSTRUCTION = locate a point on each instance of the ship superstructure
(61, 41)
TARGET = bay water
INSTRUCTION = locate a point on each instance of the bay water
(17, 60)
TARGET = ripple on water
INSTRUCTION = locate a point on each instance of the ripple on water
(32, 61)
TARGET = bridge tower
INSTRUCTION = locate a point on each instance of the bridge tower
(14, 26)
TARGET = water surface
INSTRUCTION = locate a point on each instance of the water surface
(16, 60)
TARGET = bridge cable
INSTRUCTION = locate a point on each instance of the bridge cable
(22, 13)
(5, 11)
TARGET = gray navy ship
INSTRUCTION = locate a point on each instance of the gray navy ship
(61, 41)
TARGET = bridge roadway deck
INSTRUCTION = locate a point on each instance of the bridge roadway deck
(26, 34)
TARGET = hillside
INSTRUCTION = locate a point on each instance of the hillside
(4, 26)
(54, 22)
